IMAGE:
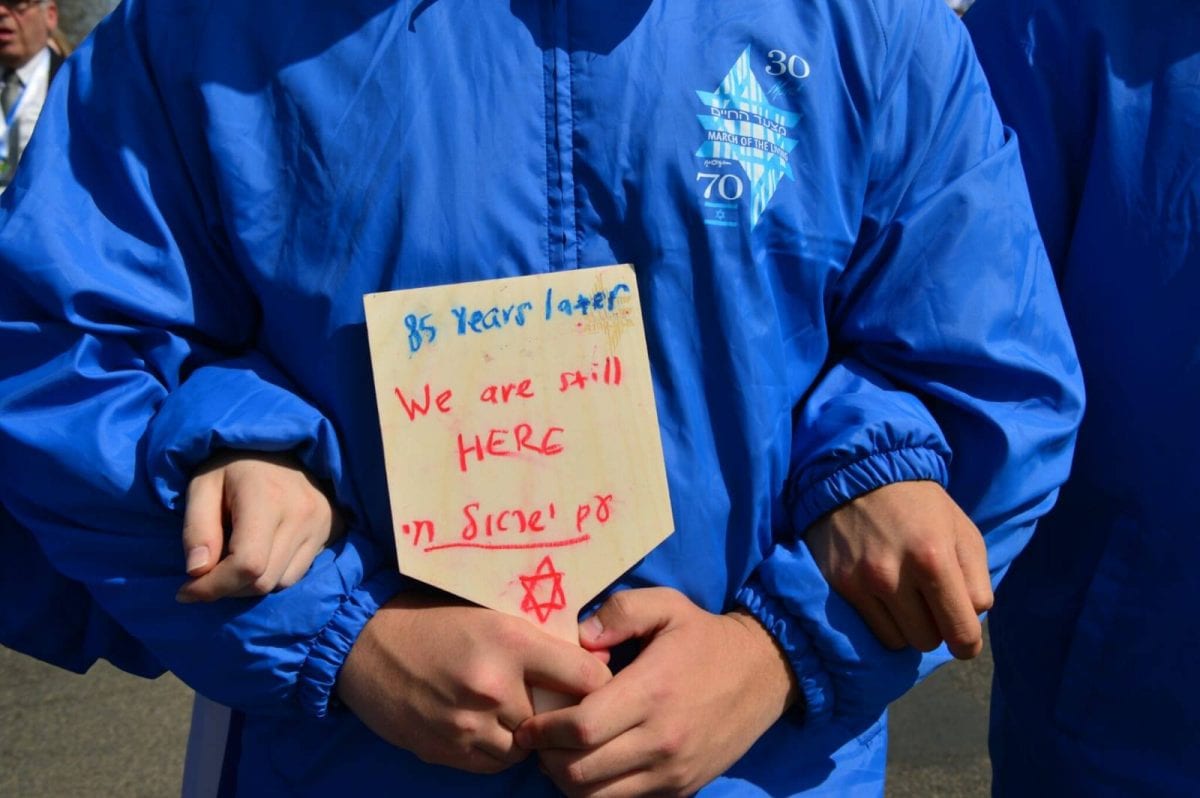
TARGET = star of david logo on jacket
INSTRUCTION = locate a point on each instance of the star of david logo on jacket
(743, 126)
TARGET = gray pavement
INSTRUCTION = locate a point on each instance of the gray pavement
(102, 734)
(938, 744)
(110, 734)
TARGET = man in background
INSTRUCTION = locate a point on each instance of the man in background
(28, 66)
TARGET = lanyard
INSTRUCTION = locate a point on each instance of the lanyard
(12, 111)
(9, 118)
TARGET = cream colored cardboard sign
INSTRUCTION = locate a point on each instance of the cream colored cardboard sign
(523, 456)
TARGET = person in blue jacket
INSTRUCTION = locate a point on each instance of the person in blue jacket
(850, 320)
(45, 615)
(1096, 664)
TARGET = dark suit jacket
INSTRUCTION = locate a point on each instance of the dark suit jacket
(56, 60)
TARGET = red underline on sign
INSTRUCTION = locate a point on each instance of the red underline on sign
(553, 544)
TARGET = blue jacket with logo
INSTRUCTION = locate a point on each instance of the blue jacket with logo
(1096, 654)
(841, 278)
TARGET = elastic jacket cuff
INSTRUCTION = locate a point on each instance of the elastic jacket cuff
(242, 404)
(862, 476)
(319, 673)
(816, 690)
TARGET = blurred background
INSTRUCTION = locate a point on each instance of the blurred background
(77, 17)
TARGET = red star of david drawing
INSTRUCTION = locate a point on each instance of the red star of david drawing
(543, 591)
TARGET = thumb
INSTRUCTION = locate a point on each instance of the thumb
(203, 529)
(629, 614)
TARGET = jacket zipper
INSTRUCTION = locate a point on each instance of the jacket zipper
(563, 252)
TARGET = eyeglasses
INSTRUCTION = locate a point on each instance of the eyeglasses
(21, 6)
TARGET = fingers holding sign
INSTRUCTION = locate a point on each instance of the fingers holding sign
(912, 563)
(450, 681)
(703, 689)
(254, 523)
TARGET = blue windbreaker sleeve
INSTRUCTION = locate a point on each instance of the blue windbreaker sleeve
(45, 615)
(127, 357)
(952, 361)
(856, 431)
(241, 403)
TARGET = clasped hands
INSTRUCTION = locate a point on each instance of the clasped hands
(703, 689)
(452, 682)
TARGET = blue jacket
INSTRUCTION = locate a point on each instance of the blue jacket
(1096, 654)
(45, 615)
(841, 278)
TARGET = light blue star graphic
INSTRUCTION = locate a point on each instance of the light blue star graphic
(742, 125)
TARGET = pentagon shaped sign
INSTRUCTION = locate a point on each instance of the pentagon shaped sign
(524, 462)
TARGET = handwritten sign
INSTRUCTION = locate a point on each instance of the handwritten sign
(523, 456)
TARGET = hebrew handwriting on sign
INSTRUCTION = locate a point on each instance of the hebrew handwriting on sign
(524, 462)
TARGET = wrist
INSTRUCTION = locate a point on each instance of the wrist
(778, 679)
(322, 671)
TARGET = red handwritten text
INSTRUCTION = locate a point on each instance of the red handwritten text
(606, 373)
(505, 443)
(517, 520)
(502, 392)
(418, 529)
(415, 407)
(599, 511)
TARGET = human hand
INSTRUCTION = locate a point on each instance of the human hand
(451, 681)
(912, 563)
(277, 520)
(703, 689)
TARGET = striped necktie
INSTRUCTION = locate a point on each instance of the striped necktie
(12, 90)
